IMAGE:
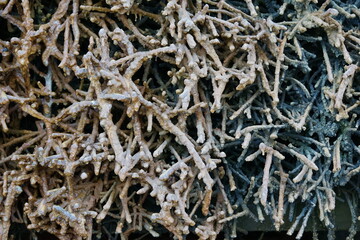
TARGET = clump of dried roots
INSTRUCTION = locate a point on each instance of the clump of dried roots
(176, 114)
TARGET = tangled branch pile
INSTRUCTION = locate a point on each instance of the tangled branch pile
(177, 114)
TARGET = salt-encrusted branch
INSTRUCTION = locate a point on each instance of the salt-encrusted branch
(270, 152)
